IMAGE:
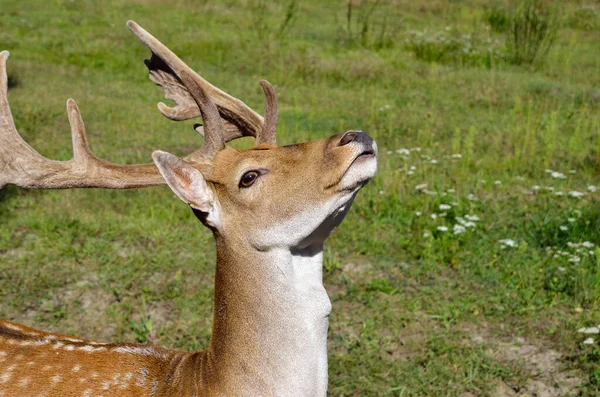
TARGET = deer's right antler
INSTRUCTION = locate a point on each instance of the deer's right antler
(21, 165)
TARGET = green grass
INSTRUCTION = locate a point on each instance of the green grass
(416, 310)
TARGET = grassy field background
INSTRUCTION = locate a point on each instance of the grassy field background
(466, 268)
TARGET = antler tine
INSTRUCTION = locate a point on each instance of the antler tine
(240, 120)
(81, 149)
(269, 128)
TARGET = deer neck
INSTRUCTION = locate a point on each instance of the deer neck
(270, 321)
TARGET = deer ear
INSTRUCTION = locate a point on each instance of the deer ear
(186, 182)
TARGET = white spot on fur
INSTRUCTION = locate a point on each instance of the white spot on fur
(81, 380)
(142, 350)
(126, 379)
(76, 368)
(91, 349)
(154, 388)
(34, 342)
(30, 363)
(13, 327)
(58, 345)
(141, 380)
(23, 382)
(5, 377)
(74, 340)
(55, 379)
(70, 347)
(87, 393)
(46, 367)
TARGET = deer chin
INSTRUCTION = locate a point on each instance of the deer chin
(361, 170)
(308, 228)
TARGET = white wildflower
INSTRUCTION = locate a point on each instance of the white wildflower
(450, 191)
(411, 172)
(418, 213)
(576, 194)
(433, 161)
(442, 228)
(558, 175)
(507, 242)
(592, 188)
(381, 192)
(389, 152)
(549, 188)
(548, 171)
(415, 149)
(571, 220)
(561, 269)
(588, 341)
(403, 151)
(574, 259)
(590, 330)
(458, 229)
(559, 194)
(426, 235)
(412, 168)
(497, 183)
(587, 244)
(444, 207)
(471, 197)
(572, 172)
(473, 218)
(563, 228)
(535, 187)
(457, 156)
(421, 186)
(433, 216)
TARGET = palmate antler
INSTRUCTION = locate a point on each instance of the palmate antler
(21, 165)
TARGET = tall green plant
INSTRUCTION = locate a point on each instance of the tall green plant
(532, 32)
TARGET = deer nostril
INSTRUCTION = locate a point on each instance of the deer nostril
(348, 137)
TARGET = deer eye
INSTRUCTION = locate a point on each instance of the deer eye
(248, 178)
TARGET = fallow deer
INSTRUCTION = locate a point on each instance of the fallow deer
(269, 208)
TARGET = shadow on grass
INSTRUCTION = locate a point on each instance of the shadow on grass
(8, 195)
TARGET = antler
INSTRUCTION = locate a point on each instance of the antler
(21, 165)
(241, 120)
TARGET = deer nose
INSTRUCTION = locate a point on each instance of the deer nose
(356, 136)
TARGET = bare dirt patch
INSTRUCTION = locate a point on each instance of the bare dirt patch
(547, 377)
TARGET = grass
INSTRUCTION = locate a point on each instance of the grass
(417, 309)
